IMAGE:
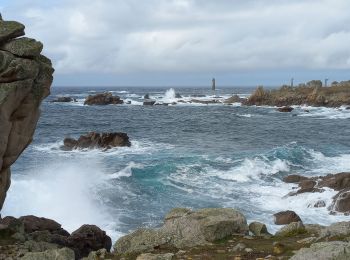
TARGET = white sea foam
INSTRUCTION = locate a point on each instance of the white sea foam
(126, 171)
(326, 113)
(68, 192)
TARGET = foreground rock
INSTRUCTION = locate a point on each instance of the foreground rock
(339, 182)
(185, 228)
(311, 93)
(44, 236)
(25, 80)
(97, 140)
(103, 99)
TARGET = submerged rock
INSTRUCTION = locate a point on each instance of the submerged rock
(103, 99)
(97, 140)
(185, 228)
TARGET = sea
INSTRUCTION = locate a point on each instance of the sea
(185, 155)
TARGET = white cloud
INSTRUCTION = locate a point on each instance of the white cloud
(189, 35)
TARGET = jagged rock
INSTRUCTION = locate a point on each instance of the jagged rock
(88, 238)
(24, 83)
(339, 182)
(291, 229)
(285, 109)
(324, 251)
(10, 30)
(286, 217)
(23, 47)
(258, 229)
(149, 256)
(97, 140)
(185, 228)
(103, 99)
(33, 223)
(53, 254)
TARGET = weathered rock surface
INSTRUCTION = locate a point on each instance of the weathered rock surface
(292, 229)
(103, 99)
(24, 83)
(324, 251)
(97, 140)
(185, 228)
(339, 182)
(149, 256)
(258, 229)
(286, 217)
(52, 254)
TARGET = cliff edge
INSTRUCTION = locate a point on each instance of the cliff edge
(25, 80)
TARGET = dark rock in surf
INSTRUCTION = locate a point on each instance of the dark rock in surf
(97, 140)
(103, 99)
(285, 109)
(286, 217)
(64, 100)
(149, 102)
(294, 178)
(234, 99)
(88, 238)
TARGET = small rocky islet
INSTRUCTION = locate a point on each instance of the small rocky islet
(215, 233)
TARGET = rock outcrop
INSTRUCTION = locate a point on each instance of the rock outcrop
(286, 217)
(106, 98)
(97, 140)
(311, 93)
(25, 80)
(64, 100)
(185, 228)
(339, 182)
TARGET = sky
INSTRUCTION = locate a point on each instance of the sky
(187, 42)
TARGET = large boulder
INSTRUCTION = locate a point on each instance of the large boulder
(97, 140)
(185, 228)
(24, 83)
(324, 251)
(33, 223)
(103, 99)
(88, 238)
(286, 217)
(291, 229)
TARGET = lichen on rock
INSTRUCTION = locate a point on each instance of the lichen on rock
(25, 80)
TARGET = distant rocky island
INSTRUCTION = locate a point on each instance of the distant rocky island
(311, 94)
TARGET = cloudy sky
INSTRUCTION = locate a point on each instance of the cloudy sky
(187, 42)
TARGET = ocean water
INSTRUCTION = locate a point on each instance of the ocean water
(186, 155)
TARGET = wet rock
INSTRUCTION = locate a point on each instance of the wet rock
(184, 228)
(285, 109)
(258, 229)
(324, 251)
(342, 202)
(149, 102)
(53, 254)
(291, 229)
(88, 238)
(97, 140)
(205, 102)
(286, 217)
(64, 100)
(318, 204)
(293, 178)
(103, 99)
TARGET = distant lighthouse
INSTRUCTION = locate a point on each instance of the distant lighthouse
(213, 84)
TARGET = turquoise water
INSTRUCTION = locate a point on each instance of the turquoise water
(187, 155)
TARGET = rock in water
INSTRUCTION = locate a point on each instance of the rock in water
(286, 217)
(97, 140)
(103, 99)
(185, 228)
(24, 83)
(285, 109)
(64, 99)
